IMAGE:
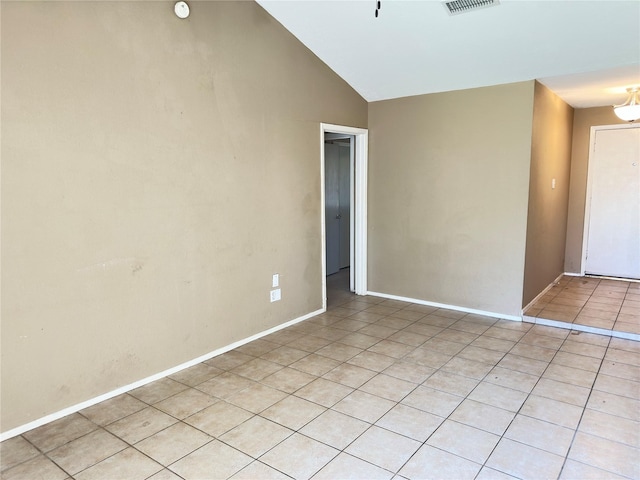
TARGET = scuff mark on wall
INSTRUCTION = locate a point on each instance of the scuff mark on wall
(136, 267)
(136, 264)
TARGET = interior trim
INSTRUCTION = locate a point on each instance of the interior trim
(548, 287)
(514, 318)
(126, 388)
(587, 207)
(359, 206)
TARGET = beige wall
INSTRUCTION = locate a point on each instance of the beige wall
(584, 119)
(156, 172)
(448, 192)
(547, 218)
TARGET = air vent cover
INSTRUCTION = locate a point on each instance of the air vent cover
(457, 7)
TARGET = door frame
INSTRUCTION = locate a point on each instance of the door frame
(359, 165)
(587, 206)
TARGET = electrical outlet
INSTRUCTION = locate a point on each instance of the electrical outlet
(275, 280)
(275, 295)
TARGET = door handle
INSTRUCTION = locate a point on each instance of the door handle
(338, 217)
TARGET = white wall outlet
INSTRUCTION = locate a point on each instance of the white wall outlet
(275, 281)
(553, 184)
(275, 295)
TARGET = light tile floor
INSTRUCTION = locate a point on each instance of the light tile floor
(372, 389)
(608, 307)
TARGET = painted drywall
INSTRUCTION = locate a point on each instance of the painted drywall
(583, 120)
(156, 173)
(548, 191)
(448, 193)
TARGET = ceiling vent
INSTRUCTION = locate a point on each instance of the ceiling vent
(457, 7)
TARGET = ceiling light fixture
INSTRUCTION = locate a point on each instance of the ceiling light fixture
(629, 111)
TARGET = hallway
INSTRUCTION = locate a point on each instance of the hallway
(594, 305)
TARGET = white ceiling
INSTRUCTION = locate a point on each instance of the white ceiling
(585, 51)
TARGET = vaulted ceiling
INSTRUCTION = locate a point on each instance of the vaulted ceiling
(588, 52)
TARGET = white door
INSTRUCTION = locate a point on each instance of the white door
(332, 206)
(345, 204)
(338, 205)
(613, 239)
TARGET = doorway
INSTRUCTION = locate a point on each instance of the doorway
(339, 152)
(344, 188)
(612, 213)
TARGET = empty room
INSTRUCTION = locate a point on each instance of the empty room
(323, 239)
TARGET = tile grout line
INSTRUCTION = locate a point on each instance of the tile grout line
(575, 433)
(278, 345)
(606, 331)
(448, 417)
(502, 436)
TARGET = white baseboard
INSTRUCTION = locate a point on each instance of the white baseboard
(582, 328)
(618, 279)
(549, 287)
(503, 316)
(126, 388)
(602, 277)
